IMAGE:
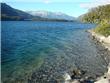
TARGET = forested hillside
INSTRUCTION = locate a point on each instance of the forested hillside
(101, 16)
(96, 15)
(9, 13)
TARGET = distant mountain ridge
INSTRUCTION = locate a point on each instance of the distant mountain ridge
(9, 13)
(51, 15)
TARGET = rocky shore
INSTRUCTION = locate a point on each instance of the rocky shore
(105, 41)
(103, 79)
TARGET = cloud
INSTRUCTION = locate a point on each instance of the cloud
(46, 1)
(94, 3)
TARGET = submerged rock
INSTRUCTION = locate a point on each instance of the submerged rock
(77, 77)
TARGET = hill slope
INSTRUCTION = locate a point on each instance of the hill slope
(101, 16)
(97, 14)
(9, 13)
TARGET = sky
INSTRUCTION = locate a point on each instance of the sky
(71, 7)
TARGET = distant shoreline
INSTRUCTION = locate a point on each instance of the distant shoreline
(39, 20)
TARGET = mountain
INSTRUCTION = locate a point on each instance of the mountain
(9, 13)
(51, 15)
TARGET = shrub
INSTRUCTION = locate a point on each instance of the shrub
(103, 28)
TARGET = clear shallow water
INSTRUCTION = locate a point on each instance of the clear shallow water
(28, 46)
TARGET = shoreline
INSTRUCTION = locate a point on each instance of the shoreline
(105, 78)
(105, 42)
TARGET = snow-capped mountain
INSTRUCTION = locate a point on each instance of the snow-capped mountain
(51, 15)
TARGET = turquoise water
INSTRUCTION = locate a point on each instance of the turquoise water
(26, 46)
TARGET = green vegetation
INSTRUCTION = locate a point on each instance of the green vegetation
(101, 16)
(103, 28)
(96, 15)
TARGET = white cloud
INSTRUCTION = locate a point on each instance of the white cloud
(94, 3)
(46, 1)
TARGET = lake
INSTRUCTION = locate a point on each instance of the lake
(30, 48)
